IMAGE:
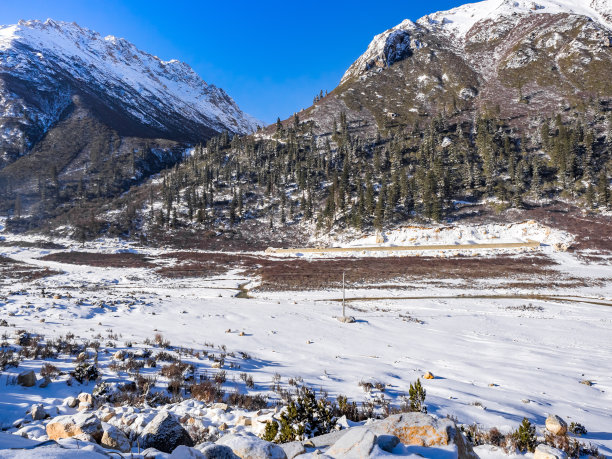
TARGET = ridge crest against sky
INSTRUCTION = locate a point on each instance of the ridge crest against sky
(271, 57)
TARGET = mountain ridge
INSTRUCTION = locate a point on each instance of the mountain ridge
(167, 97)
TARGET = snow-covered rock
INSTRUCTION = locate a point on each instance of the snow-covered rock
(114, 438)
(548, 452)
(38, 412)
(251, 447)
(357, 443)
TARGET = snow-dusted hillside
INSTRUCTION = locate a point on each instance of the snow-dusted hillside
(44, 66)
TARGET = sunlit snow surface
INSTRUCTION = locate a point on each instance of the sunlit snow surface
(493, 365)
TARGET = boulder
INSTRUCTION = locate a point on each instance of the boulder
(428, 375)
(119, 355)
(71, 402)
(26, 378)
(357, 443)
(84, 406)
(185, 452)
(84, 397)
(387, 442)
(38, 412)
(555, 425)
(213, 451)
(243, 421)
(424, 430)
(251, 447)
(293, 449)
(114, 438)
(164, 433)
(220, 406)
(69, 426)
(548, 452)
(152, 453)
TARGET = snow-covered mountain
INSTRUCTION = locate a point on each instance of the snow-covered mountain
(520, 59)
(45, 66)
(460, 23)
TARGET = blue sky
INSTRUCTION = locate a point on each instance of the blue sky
(271, 57)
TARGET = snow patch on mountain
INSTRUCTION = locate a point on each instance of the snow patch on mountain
(459, 21)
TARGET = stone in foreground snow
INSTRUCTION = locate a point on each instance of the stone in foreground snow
(165, 433)
(548, 452)
(71, 426)
(357, 443)
(114, 438)
(251, 447)
(555, 425)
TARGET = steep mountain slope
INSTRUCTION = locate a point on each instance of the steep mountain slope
(73, 102)
(520, 58)
(43, 65)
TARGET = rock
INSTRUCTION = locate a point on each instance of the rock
(45, 382)
(69, 426)
(114, 438)
(222, 427)
(108, 415)
(251, 447)
(26, 378)
(84, 397)
(555, 425)
(183, 451)
(347, 319)
(243, 421)
(387, 442)
(357, 443)
(548, 452)
(213, 451)
(38, 412)
(71, 402)
(164, 433)
(586, 382)
(292, 449)
(428, 375)
(152, 453)
(84, 437)
(119, 355)
(85, 406)
(220, 406)
(423, 430)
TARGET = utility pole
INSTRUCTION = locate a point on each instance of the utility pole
(343, 295)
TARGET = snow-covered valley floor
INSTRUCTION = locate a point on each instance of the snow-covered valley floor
(495, 360)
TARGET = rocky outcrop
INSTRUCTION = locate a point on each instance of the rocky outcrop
(382, 437)
(165, 433)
